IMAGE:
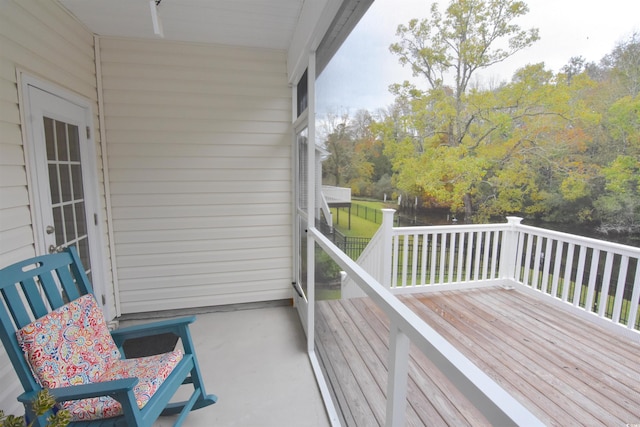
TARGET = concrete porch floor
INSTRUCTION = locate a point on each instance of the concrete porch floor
(254, 360)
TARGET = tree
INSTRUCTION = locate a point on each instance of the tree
(337, 168)
(620, 204)
(462, 41)
(624, 62)
(471, 35)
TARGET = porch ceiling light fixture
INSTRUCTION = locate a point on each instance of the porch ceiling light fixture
(155, 18)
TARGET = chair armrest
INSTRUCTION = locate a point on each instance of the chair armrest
(83, 391)
(176, 326)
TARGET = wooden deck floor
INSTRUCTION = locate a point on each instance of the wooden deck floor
(565, 370)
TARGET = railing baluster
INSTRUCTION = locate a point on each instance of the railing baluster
(535, 282)
(622, 278)
(443, 254)
(434, 257)
(423, 263)
(476, 266)
(469, 253)
(517, 271)
(414, 264)
(394, 267)
(452, 256)
(577, 290)
(405, 260)
(527, 261)
(461, 241)
(544, 285)
(568, 269)
(557, 260)
(485, 263)
(635, 298)
(494, 255)
(593, 275)
(606, 282)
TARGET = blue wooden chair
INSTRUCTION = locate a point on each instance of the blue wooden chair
(48, 311)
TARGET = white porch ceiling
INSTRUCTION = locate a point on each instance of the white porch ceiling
(253, 23)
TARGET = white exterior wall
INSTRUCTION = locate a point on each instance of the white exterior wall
(199, 150)
(42, 39)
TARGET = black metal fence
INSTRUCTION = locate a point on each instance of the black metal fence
(352, 246)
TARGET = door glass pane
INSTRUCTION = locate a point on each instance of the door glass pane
(81, 225)
(76, 180)
(58, 223)
(66, 186)
(74, 143)
(65, 182)
(53, 178)
(61, 139)
(48, 135)
(69, 223)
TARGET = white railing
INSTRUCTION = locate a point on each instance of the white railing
(336, 194)
(599, 279)
(586, 275)
(593, 276)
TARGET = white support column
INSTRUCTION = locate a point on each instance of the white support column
(311, 201)
(397, 377)
(508, 251)
(386, 261)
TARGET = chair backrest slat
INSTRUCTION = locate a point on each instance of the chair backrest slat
(82, 280)
(68, 284)
(34, 297)
(14, 302)
(51, 289)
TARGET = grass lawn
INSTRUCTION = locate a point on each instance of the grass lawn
(360, 227)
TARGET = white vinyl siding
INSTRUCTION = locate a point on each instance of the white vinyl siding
(199, 149)
(40, 38)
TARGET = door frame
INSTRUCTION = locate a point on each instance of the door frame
(306, 119)
(33, 133)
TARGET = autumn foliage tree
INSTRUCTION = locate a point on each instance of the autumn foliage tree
(446, 50)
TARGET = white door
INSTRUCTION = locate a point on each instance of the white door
(61, 163)
(300, 234)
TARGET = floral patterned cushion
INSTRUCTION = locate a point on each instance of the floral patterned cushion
(151, 372)
(72, 345)
(69, 346)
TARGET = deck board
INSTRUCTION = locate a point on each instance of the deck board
(565, 370)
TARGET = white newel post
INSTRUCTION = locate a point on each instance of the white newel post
(387, 227)
(509, 251)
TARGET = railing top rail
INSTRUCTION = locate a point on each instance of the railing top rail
(585, 241)
(558, 235)
(450, 228)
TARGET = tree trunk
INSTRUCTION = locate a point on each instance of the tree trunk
(468, 208)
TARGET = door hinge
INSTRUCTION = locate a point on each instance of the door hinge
(95, 219)
(104, 300)
(88, 132)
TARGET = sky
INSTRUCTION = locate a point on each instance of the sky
(360, 73)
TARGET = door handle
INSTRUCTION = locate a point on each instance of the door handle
(55, 249)
(50, 229)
